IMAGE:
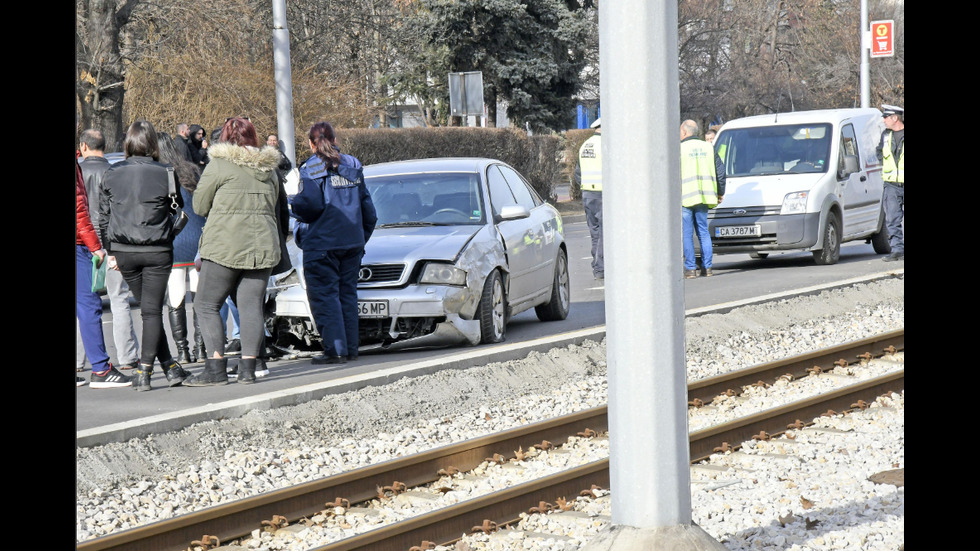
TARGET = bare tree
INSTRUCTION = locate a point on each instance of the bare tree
(100, 72)
(762, 56)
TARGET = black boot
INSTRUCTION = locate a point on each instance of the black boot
(175, 373)
(141, 381)
(214, 374)
(246, 371)
(199, 350)
(178, 326)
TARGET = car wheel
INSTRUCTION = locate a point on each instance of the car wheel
(557, 308)
(879, 241)
(830, 253)
(492, 308)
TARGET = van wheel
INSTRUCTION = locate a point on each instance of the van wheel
(491, 311)
(830, 253)
(879, 241)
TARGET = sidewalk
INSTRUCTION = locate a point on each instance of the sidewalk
(563, 192)
(571, 210)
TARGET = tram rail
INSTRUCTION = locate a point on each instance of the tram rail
(235, 520)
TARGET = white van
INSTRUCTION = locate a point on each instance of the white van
(807, 180)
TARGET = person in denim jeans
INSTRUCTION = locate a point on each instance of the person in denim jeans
(88, 304)
(702, 188)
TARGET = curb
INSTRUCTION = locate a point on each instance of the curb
(120, 432)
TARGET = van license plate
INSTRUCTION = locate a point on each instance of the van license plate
(372, 308)
(738, 231)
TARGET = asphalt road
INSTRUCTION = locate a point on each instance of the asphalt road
(113, 414)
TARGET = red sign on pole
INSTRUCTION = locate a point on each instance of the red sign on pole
(882, 38)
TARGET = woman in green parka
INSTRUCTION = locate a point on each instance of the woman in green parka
(239, 195)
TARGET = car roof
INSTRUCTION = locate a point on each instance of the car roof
(798, 117)
(439, 164)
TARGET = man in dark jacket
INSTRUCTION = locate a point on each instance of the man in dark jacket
(94, 164)
(198, 145)
(284, 163)
(182, 142)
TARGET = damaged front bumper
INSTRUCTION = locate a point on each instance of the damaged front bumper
(420, 316)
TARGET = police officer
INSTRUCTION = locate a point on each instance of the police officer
(336, 218)
(702, 188)
(891, 153)
(589, 174)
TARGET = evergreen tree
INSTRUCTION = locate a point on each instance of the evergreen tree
(531, 54)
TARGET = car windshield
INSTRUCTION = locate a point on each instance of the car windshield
(768, 150)
(427, 199)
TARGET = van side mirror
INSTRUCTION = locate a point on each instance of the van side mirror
(850, 166)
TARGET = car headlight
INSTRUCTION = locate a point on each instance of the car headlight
(794, 203)
(442, 274)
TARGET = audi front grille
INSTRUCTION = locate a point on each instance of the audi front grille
(380, 273)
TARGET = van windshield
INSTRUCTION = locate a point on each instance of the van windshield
(768, 150)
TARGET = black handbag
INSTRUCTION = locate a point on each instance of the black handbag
(284, 261)
(180, 217)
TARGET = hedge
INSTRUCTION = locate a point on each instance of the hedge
(538, 158)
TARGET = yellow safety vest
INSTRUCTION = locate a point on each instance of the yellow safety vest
(590, 161)
(698, 181)
(890, 172)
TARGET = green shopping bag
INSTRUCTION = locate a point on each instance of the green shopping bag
(98, 275)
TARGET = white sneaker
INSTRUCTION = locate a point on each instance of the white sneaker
(111, 379)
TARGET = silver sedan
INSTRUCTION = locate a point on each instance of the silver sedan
(461, 245)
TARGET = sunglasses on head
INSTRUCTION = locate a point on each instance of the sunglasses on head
(242, 117)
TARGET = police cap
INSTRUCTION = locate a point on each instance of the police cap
(887, 110)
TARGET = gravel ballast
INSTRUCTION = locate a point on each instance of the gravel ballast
(122, 485)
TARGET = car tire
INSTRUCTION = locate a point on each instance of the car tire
(557, 308)
(492, 311)
(830, 253)
(879, 241)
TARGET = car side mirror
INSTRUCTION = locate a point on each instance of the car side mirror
(850, 166)
(513, 212)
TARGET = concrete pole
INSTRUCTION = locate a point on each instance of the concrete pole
(284, 80)
(649, 448)
(865, 47)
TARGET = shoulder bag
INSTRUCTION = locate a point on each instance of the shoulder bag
(180, 217)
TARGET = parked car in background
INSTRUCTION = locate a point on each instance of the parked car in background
(461, 245)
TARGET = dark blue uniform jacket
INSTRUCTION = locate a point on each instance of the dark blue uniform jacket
(333, 207)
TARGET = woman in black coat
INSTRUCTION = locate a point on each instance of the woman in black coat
(136, 227)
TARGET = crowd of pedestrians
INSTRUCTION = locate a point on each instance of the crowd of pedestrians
(231, 192)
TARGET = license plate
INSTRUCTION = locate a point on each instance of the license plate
(738, 231)
(372, 308)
